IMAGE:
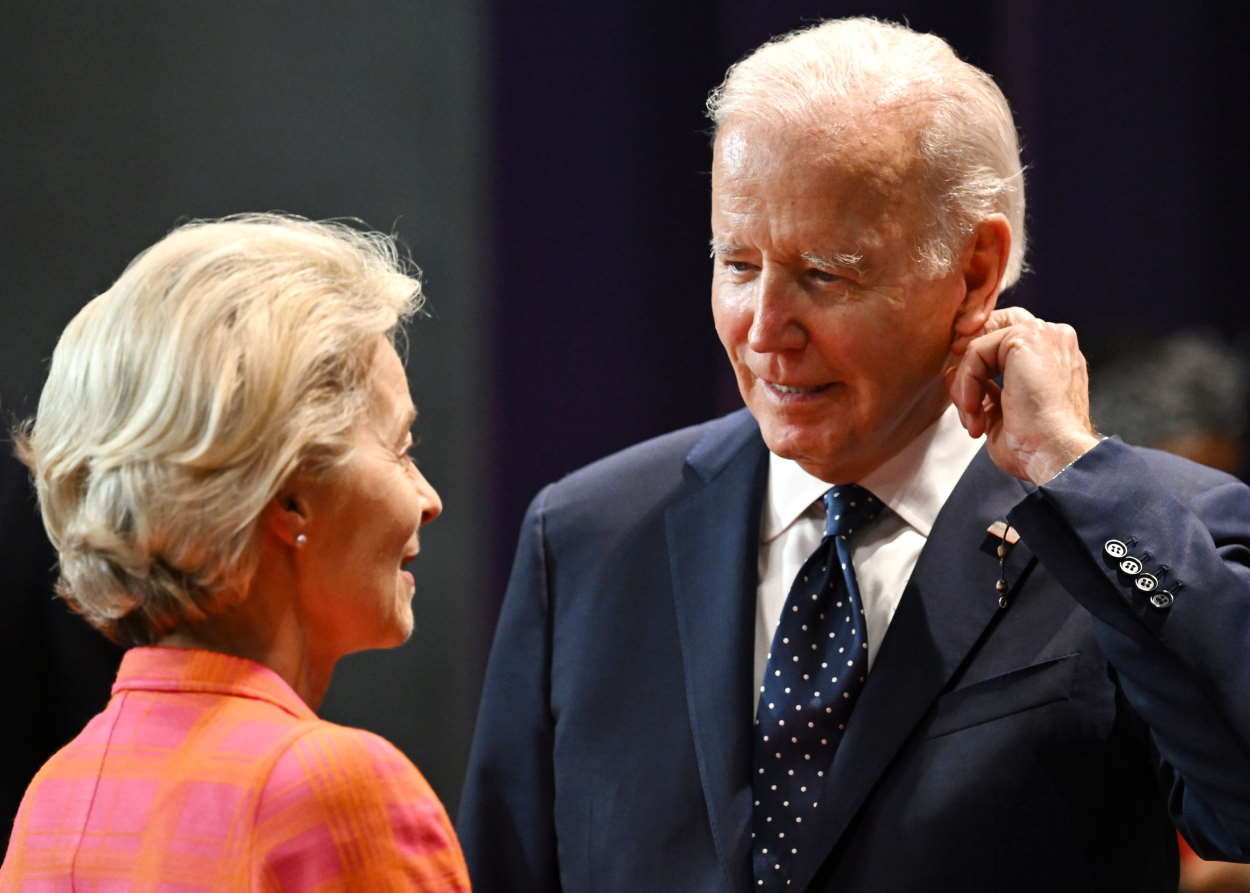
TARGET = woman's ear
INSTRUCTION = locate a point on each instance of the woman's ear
(286, 516)
(984, 265)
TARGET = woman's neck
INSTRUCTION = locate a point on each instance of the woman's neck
(266, 629)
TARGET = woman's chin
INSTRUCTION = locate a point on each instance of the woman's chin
(404, 619)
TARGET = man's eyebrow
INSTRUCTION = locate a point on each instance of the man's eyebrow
(846, 260)
(852, 260)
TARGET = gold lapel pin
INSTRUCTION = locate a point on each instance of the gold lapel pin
(1009, 537)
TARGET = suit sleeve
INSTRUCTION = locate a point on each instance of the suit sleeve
(1180, 650)
(343, 809)
(506, 819)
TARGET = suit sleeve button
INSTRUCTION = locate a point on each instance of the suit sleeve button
(1130, 566)
(1161, 599)
(1147, 582)
(1115, 548)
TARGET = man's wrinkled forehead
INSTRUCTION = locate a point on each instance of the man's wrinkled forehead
(880, 142)
(731, 147)
(868, 179)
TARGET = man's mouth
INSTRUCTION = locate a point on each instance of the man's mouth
(797, 390)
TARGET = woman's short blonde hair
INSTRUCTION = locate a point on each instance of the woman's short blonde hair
(228, 356)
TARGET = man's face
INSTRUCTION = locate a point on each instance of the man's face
(837, 340)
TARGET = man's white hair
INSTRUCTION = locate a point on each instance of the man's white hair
(966, 138)
(227, 357)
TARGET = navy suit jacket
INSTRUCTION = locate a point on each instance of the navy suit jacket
(1048, 745)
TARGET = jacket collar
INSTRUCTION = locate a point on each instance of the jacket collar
(193, 670)
(713, 535)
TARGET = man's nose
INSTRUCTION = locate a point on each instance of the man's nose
(775, 322)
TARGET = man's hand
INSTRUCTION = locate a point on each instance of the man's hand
(1037, 422)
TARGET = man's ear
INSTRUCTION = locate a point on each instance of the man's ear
(984, 263)
(286, 516)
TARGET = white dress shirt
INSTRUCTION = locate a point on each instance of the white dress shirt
(913, 485)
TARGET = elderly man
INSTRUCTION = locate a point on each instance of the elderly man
(906, 622)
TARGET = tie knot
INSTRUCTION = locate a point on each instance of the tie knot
(849, 507)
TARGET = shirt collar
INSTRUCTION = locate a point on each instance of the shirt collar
(188, 669)
(915, 483)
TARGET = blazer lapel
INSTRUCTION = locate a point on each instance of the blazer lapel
(713, 540)
(946, 608)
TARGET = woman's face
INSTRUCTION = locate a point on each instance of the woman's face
(362, 525)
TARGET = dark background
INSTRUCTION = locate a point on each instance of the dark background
(546, 162)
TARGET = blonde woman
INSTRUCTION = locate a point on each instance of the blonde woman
(221, 457)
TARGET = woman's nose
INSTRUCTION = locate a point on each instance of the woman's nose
(431, 504)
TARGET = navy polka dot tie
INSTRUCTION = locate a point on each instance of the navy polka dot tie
(816, 669)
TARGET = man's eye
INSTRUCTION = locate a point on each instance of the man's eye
(739, 266)
(823, 275)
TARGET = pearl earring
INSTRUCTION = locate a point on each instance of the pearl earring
(301, 539)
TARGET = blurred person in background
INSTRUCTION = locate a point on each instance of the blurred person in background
(1186, 393)
(221, 455)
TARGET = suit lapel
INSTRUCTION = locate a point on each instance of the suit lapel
(946, 608)
(713, 540)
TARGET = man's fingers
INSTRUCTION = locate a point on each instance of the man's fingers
(978, 367)
(1007, 316)
(1002, 318)
(991, 407)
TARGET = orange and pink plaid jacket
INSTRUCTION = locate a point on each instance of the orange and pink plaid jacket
(207, 772)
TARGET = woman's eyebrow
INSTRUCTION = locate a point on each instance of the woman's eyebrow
(406, 420)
